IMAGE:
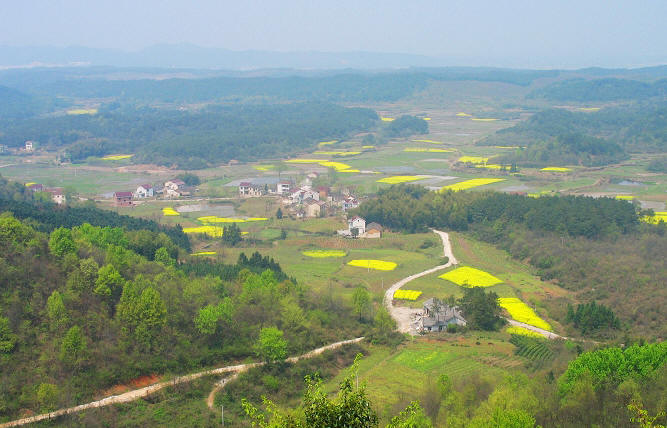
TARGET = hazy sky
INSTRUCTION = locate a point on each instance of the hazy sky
(528, 33)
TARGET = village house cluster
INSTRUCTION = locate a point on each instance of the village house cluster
(174, 188)
(57, 194)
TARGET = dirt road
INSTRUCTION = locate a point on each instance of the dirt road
(143, 392)
(403, 315)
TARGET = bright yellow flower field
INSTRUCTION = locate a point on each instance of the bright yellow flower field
(556, 169)
(461, 114)
(655, 218)
(472, 159)
(523, 332)
(116, 157)
(373, 264)
(484, 119)
(407, 294)
(80, 111)
(324, 253)
(419, 149)
(387, 119)
(397, 179)
(213, 231)
(427, 141)
(204, 253)
(169, 211)
(338, 166)
(469, 184)
(470, 277)
(522, 312)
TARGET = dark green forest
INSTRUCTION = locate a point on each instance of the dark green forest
(595, 247)
(558, 136)
(607, 89)
(191, 139)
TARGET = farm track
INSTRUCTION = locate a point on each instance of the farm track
(146, 391)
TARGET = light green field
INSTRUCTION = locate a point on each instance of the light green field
(403, 374)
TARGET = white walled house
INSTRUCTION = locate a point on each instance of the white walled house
(145, 191)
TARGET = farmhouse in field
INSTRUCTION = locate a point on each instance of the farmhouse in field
(438, 315)
(144, 191)
(373, 230)
(249, 190)
(57, 195)
(313, 208)
(123, 199)
(349, 203)
(29, 146)
(356, 227)
(283, 187)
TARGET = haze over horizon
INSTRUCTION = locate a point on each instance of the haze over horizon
(520, 34)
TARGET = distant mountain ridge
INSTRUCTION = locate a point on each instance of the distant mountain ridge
(191, 56)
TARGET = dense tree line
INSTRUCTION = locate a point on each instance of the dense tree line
(413, 208)
(607, 89)
(405, 126)
(192, 139)
(589, 317)
(635, 128)
(50, 216)
(81, 311)
(612, 259)
(256, 263)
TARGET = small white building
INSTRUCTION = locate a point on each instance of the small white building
(283, 187)
(145, 191)
(249, 190)
(174, 184)
(29, 146)
(356, 227)
(57, 195)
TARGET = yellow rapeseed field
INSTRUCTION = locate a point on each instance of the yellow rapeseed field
(472, 159)
(204, 253)
(470, 277)
(407, 294)
(588, 108)
(169, 211)
(523, 332)
(397, 179)
(336, 153)
(387, 119)
(625, 197)
(428, 141)
(492, 166)
(116, 157)
(419, 149)
(655, 218)
(461, 114)
(556, 169)
(484, 119)
(327, 143)
(213, 231)
(469, 184)
(522, 312)
(306, 160)
(338, 166)
(263, 167)
(373, 264)
(324, 253)
(367, 147)
(426, 118)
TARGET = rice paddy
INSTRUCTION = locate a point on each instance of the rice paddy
(170, 212)
(521, 312)
(469, 184)
(324, 253)
(397, 179)
(373, 264)
(472, 159)
(116, 157)
(470, 277)
(423, 150)
(407, 294)
(556, 169)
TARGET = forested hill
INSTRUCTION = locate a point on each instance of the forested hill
(608, 89)
(192, 139)
(594, 247)
(558, 136)
(46, 216)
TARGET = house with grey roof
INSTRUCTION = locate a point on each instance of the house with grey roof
(438, 315)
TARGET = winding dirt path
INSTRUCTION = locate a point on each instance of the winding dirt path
(546, 333)
(402, 314)
(144, 392)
